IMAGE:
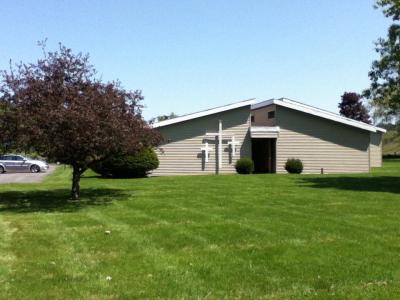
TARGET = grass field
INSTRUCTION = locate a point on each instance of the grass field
(204, 237)
(391, 142)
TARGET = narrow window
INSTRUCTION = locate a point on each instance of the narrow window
(271, 114)
(252, 118)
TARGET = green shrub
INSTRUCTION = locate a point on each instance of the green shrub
(127, 166)
(294, 166)
(244, 166)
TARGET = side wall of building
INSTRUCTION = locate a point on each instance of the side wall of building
(180, 152)
(320, 143)
(376, 149)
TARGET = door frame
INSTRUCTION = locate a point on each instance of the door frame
(269, 151)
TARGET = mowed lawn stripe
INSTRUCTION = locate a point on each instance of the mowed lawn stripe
(258, 236)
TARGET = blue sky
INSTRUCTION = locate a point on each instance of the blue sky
(191, 55)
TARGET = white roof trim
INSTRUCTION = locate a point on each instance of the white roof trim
(380, 129)
(265, 129)
(204, 113)
(257, 132)
(317, 112)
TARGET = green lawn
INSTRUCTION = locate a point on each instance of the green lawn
(213, 237)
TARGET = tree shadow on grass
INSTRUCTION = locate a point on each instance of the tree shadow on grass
(388, 184)
(113, 178)
(56, 200)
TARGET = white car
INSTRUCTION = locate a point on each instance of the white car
(19, 163)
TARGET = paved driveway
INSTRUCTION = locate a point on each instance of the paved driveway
(25, 177)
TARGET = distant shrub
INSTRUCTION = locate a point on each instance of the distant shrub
(391, 156)
(294, 166)
(244, 166)
(127, 166)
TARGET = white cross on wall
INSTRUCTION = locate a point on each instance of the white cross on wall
(219, 134)
(233, 143)
(206, 150)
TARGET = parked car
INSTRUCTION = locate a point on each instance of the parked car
(19, 163)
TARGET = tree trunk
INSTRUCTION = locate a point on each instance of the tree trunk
(76, 178)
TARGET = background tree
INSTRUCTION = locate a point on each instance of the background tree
(384, 91)
(352, 107)
(7, 126)
(163, 118)
(60, 109)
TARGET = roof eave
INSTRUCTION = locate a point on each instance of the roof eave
(204, 113)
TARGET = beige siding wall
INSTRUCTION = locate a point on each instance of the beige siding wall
(180, 154)
(376, 149)
(320, 143)
(261, 116)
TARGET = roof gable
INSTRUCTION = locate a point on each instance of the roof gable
(317, 112)
(281, 102)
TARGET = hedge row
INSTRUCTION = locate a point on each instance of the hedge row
(127, 166)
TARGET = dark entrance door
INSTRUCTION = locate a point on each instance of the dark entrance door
(263, 153)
